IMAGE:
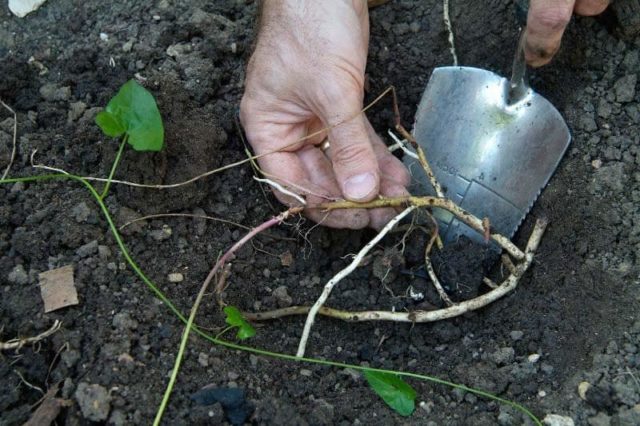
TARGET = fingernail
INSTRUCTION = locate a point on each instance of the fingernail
(360, 186)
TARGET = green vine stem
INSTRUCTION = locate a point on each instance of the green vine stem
(105, 191)
(249, 349)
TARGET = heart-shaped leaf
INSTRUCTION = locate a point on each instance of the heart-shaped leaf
(133, 111)
(397, 393)
(234, 318)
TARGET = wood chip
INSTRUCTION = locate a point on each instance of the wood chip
(57, 288)
(286, 258)
(49, 409)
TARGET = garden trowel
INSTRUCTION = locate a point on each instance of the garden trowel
(493, 143)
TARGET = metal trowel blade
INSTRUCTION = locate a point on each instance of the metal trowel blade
(492, 158)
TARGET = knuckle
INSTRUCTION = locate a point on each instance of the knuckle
(552, 19)
(351, 153)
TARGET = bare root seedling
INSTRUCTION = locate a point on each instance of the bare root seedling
(517, 267)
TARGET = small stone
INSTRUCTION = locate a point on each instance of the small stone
(175, 277)
(583, 387)
(161, 234)
(599, 397)
(601, 419)
(18, 275)
(253, 360)
(127, 46)
(630, 61)
(546, 369)
(596, 164)
(322, 414)
(282, 297)
(127, 215)
(94, 401)
(505, 418)
(17, 187)
(104, 252)
(611, 176)
(76, 109)
(52, 93)
(306, 373)
(178, 50)
(236, 407)
(70, 357)
(516, 335)
(117, 418)
(604, 109)
(401, 28)
(88, 249)
(104, 36)
(542, 393)
(503, 356)
(233, 375)
(203, 359)
(123, 321)
(587, 123)
(557, 420)
(533, 358)
(625, 88)
(81, 212)
(625, 393)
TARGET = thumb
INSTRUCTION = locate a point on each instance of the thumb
(352, 156)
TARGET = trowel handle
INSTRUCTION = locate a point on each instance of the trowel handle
(519, 85)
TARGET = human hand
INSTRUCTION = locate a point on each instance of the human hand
(546, 22)
(306, 74)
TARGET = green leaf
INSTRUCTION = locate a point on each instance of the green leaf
(397, 393)
(235, 319)
(133, 111)
(110, 124)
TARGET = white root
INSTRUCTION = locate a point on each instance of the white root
(282, 189)
(342, 274)
(18, 343)
(15, 137)
(447, 24)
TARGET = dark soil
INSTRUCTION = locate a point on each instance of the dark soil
(576, 311)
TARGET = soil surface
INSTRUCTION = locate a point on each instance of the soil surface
(573, 318)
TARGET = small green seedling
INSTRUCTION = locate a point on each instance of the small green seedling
(132, 112)
(235, 319)
(397, 393)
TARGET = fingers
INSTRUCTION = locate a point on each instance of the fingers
(546, 22)
(320, 174)
(590, 7)
(393, 182)
(354, 162)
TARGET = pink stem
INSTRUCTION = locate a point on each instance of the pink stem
(276, 220)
